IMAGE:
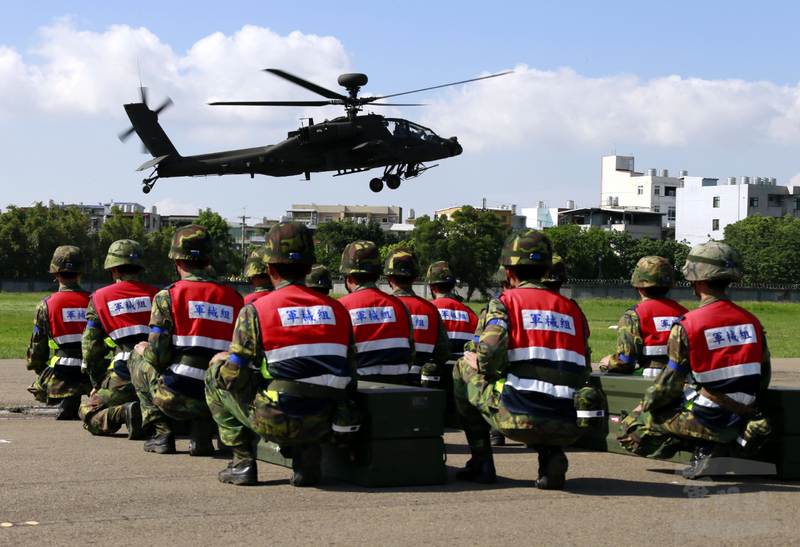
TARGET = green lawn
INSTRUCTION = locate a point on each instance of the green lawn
(780, 321)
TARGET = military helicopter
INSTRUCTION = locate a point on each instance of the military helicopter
(349, 144)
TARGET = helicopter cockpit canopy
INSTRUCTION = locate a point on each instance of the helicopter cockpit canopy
(404, 129)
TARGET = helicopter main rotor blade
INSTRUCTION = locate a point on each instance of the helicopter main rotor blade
(166, 104)
(143, 91)
(274, 103)
(395, 104)
(438, 86)
(125, 134)
(306, 84)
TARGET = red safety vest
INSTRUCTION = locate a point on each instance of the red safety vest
(380, 324)
(305, 336)
(425, 319)
(66, 312)
(655, 319)
(725, 353)
(124, 309)
(253, 296)
(204, 314)
(459, 321)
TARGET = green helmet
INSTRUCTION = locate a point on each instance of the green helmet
(125, 251)
(403, 262)
(652, 271)
(502, 275)
(211, 272)
(440, 272)
(320, 279)
(256, 263)
(289, 243)
(527, 246)
(712, 260)
(191, 242)
(67, 258)
(558, 271)
(361, 257)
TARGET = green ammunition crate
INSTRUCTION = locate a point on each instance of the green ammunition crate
(400, 412)
(446, 384)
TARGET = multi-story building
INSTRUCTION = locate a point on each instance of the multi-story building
(506, 213)
(638, 222)
(313, 215)
(542, 216)
(705, 206)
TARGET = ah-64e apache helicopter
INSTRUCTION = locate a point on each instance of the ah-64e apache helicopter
(349, 144)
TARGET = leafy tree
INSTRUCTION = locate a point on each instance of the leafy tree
(769, 248)
(226, 260)
(118, 226)
(332, 237)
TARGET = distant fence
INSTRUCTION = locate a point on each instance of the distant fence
(579, 289)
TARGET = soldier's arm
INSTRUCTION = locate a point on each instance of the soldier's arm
(38, 350)
(669, 385)
(766, 363)
(441, 352)
(93, 347)
(246, 352)
(158, 351)
(629, 344)
(492, 346)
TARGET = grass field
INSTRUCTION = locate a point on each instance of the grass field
(780, 321)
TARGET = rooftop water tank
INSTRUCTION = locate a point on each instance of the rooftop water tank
(663, 173)
(683, 173)
(651, 172)
(732, 181)
(744, 180)
(570, 204)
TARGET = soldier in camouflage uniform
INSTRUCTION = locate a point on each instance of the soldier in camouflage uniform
(58, 321)
(459, 320)
(519, 380)
(402, 269)
(259, 390)
(191, 321)
(643, 351)
(557, 274)
(320, 279)
(256, 270)
(119, 324)
(722, 350)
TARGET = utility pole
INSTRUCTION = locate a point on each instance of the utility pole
(244, 229)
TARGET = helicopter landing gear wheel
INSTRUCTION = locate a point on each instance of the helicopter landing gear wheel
(148, 183)
(146, 189)
(392, 182)
(376, 185)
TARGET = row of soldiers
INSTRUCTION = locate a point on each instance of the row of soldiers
(283, 364)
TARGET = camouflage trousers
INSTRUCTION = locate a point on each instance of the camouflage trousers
(248, 413)
(646, 433)
(480, 409)
(103, 414)
(46, 388)
(157, 402)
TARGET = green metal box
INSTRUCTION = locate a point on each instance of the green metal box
(400, 412)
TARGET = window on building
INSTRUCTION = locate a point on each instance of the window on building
(656, 190)
(671, 213)
(775, 200)
(392, 219)
(384, 220)
(715, 224)
(328, 219)
(669, 191)
(657, 208)
(503, 218)
(753, 202)
(640, 190)
(797, 204)
(716, 202)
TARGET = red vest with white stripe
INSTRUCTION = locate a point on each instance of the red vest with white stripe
(547, 330)
(656, 317)
(380, 324)
(459, 321)
(725, 353)
(253, 296)
(204, 314)
(305, 336)
(66, 312)
(124, 310)
(425, 319)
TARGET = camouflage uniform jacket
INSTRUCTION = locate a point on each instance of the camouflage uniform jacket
(631, 344)
(247, 346)
(669, 385)
(159, 344)
(441, 352)
(371, 285)
(38, 353)
(93, 344)
(492, 346)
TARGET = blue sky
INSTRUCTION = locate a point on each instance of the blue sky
(708, 87)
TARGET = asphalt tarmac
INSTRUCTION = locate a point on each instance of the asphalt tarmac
(59, 485)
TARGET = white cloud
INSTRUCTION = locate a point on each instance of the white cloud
(171, 207)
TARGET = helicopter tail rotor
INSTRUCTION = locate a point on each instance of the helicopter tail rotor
(124, 135)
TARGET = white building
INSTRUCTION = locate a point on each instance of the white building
(705, 206)
(542, 216)
(638, 223)
(622, 186)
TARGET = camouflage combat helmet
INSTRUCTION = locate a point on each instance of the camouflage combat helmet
(125, 251)
(256, 263)
(319, 278)
(361, 257)
(527, 247)
(652, 271)
(712, 260)
(211, 272)
(440, 272)
(191, 242)
(502, 275)
(403, 262)
(67, 258)
(558, 271)
(289, 243)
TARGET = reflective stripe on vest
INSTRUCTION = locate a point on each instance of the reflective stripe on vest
(65, 361)
(425, 320)
(186, 370)
(656, 317)
(459, 321)
(527, 384)
(124, 309)
(66, 313)
(386, 370)
(129, 331)
(201, 342)
(67, 339)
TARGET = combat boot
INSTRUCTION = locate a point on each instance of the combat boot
(553, 465)
(68, 408)
(496, 438)
(701, 458)
(133, 421)
(244, 473)
(479, 471)
(200, 443)
(307, 465)
(161, 443)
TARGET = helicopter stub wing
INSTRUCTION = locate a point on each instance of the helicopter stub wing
(152, 163)
(370, 146)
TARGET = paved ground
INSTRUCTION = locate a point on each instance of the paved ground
(61, 486)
